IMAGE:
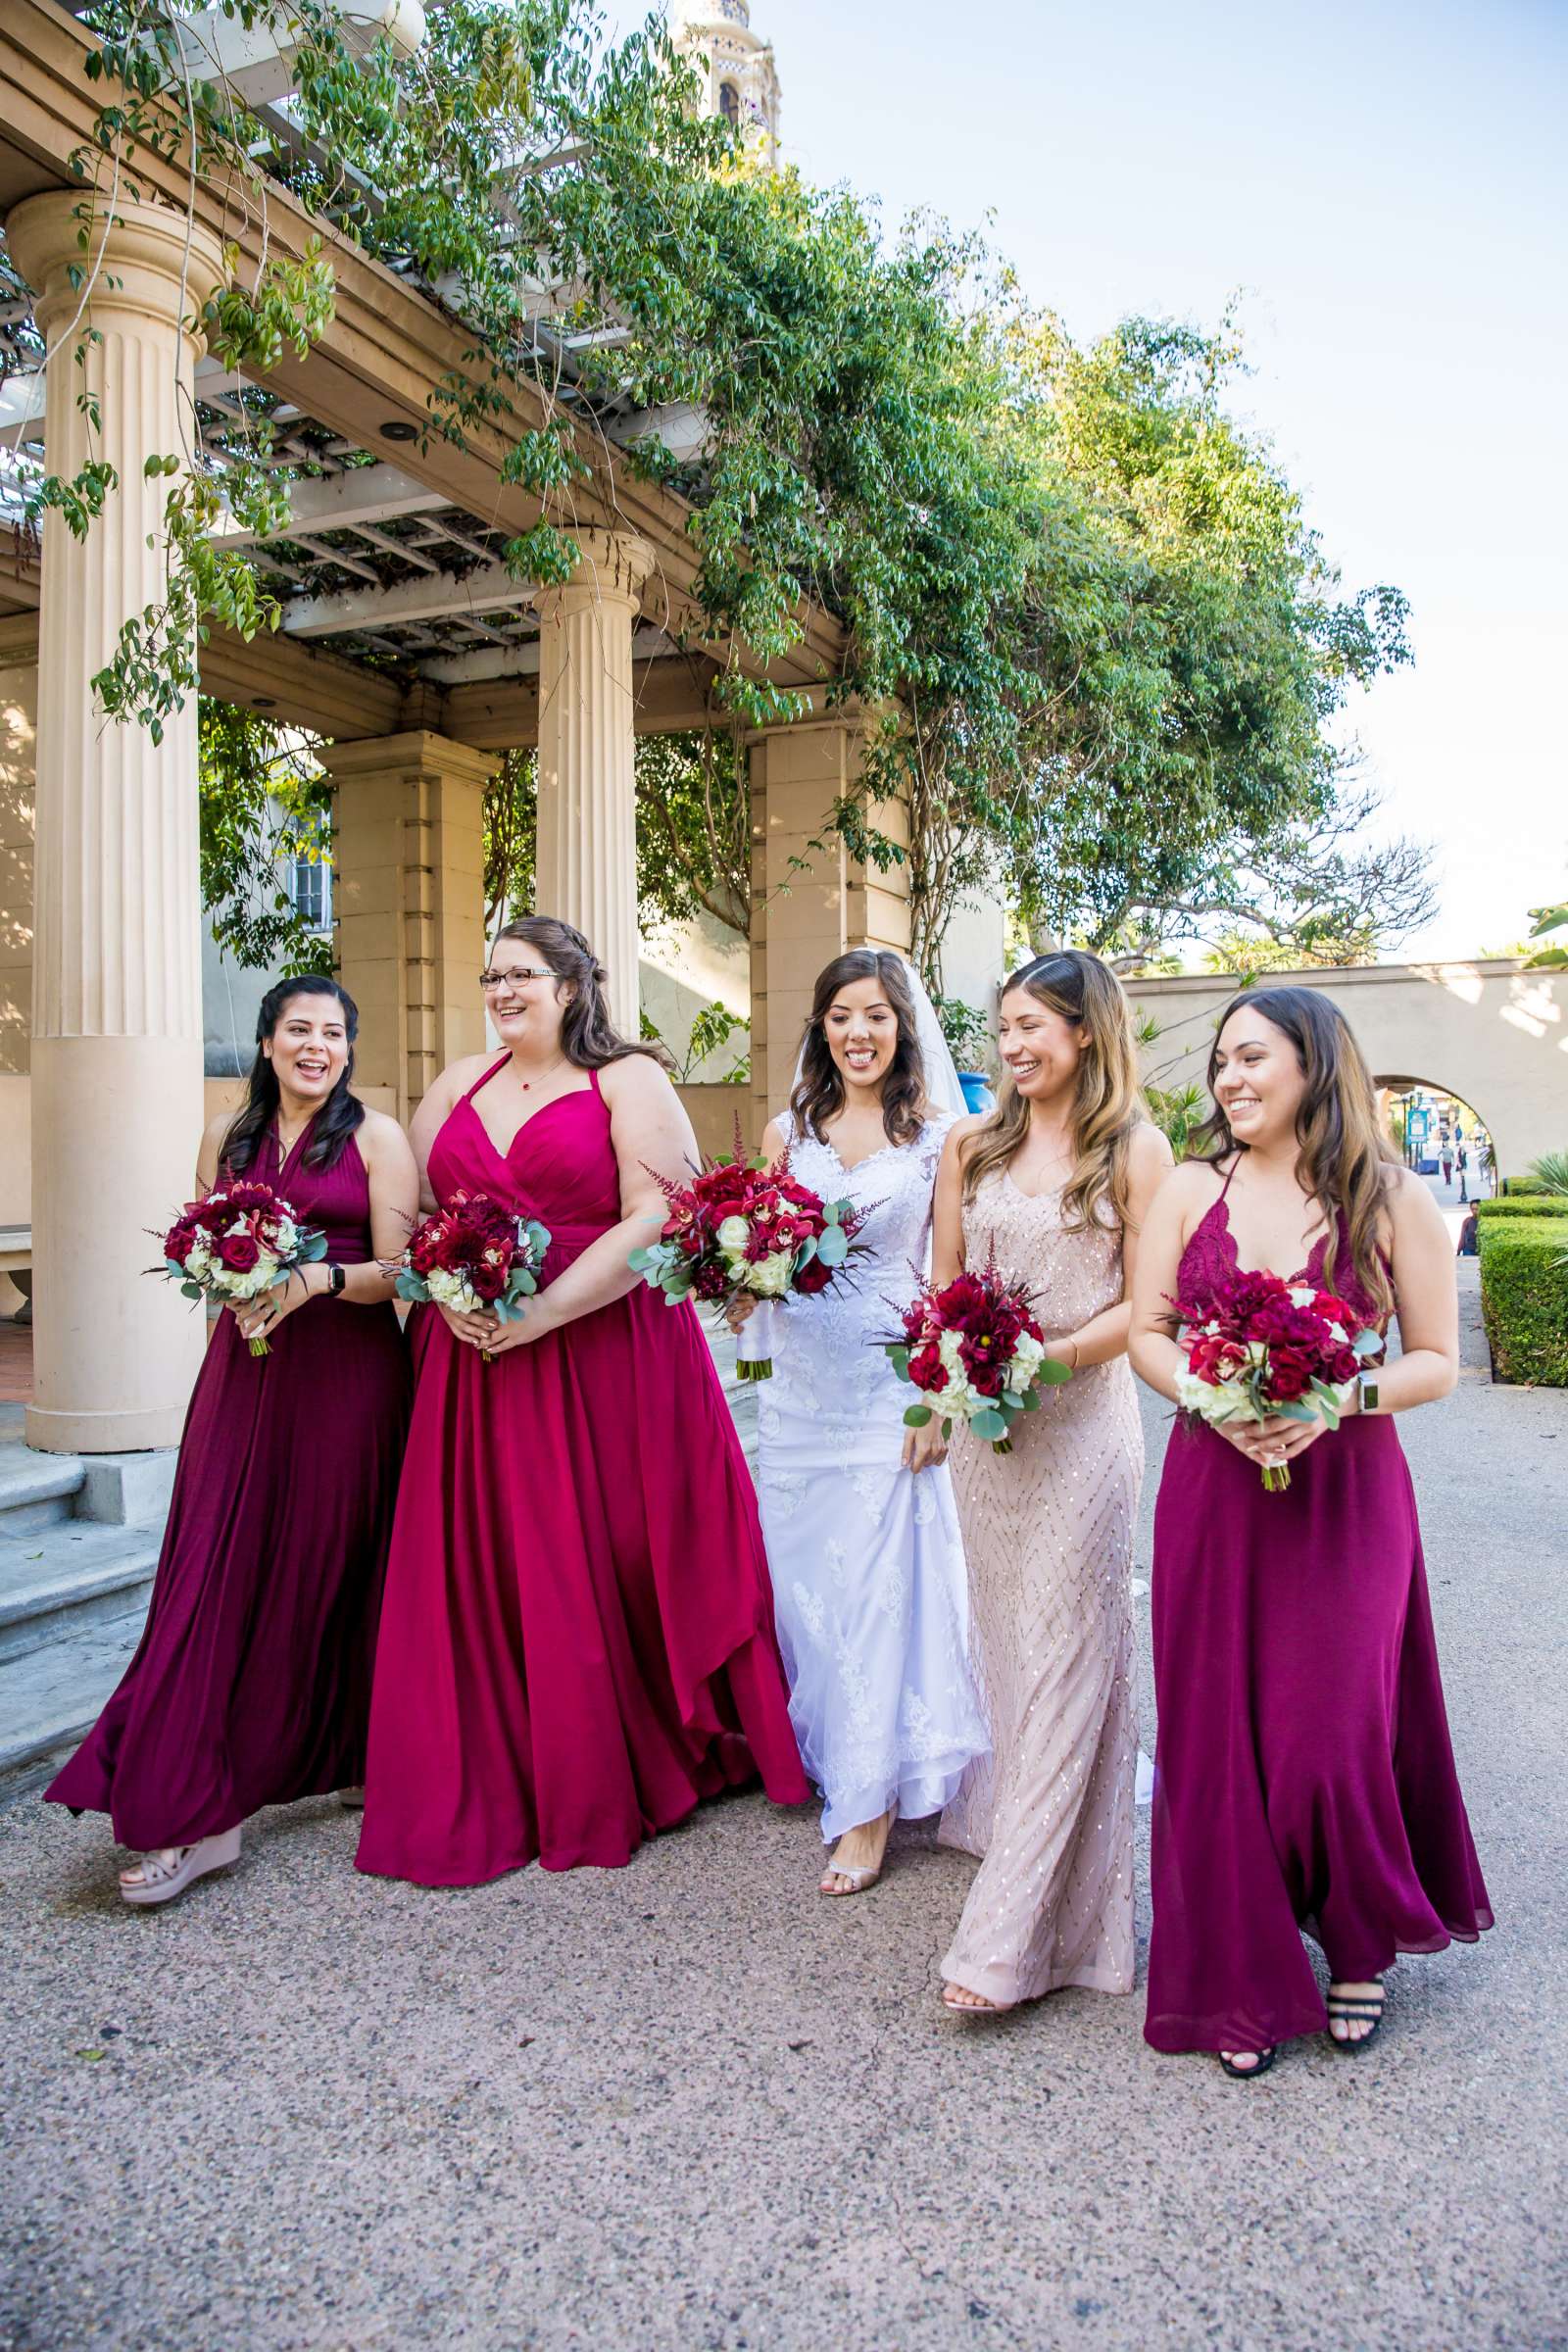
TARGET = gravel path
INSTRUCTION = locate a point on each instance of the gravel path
(690, 2105)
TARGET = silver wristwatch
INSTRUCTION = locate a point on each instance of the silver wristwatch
(1367, 1382)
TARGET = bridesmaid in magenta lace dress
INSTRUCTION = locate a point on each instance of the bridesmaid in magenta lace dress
(1305, 1777)
(252, 1682)
(577, 1643)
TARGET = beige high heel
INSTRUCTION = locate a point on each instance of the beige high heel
(161, 1880)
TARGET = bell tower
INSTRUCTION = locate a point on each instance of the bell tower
(741, 77)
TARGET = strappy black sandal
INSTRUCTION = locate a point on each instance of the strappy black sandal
(1351, 2008)
(1248, 2074)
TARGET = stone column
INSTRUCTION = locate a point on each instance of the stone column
(587, 852)
(116, 1020)
(408, 864)
(810, 902)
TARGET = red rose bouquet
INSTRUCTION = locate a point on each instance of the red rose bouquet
(746, 1227)
(237, 1243)
(474, 1255)
(1273, 1349)
(976, 1353)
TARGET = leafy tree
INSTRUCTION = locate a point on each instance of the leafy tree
(262, 802)
(1105, 649)
(1199, 653)
(693, 841)
(511, 825)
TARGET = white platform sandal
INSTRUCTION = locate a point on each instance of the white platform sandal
(161, 1880)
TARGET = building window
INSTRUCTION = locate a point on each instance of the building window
(311, 889)
(729, 102)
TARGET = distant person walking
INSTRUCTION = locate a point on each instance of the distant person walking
(1447, 1162)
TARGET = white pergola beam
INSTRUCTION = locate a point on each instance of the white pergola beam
(489, 589)
(256, 61)
(521, 660)
(342, 502)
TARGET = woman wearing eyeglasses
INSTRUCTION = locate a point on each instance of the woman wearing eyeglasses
(577, 1637)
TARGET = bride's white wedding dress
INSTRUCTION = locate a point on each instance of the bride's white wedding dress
(869, 1586)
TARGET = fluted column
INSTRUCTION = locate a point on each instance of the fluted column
(117, 1019)
(587, 847)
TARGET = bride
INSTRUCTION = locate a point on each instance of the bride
(863, 1538)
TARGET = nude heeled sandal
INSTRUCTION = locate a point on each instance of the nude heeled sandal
(859, 1880)
(161, 1880)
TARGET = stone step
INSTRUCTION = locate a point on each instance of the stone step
(55, 1580)
(51, 1697)
(74, 1597)
(36, 1489)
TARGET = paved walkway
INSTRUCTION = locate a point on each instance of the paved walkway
(691, 2105)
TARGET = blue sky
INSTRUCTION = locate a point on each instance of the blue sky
(1386, 185)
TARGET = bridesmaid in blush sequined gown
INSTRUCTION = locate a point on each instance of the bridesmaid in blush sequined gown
(578, 1641)
(1303, 1779)
(251, 1685)
(1055, 1185)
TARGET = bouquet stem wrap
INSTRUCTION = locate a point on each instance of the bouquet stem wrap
(753, 1349)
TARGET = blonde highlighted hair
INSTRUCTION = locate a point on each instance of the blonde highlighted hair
(1108, 1106)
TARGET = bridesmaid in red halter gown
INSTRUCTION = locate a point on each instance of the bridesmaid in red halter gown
(252, 1683)
(578, 1640)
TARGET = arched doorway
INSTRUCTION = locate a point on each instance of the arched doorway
(1442, 1136)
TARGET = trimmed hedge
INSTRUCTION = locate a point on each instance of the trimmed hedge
(1548, 1204)
(1520, 1188)
(1524, 1297)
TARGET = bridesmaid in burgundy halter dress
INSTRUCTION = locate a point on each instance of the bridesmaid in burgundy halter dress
(251, 1685)
(1304, 1777)
(578, 1641)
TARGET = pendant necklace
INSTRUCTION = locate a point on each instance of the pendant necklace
(558, 1063)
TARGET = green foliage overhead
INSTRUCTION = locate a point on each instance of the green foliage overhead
(1104, 652)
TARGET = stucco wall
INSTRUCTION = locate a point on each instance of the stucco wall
(1491, 1032)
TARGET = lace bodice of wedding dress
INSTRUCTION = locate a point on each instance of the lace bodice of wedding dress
(867, 1566)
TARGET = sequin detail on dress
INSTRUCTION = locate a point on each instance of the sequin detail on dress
(1048, 1530)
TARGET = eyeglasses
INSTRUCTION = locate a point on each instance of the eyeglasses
(521, 972)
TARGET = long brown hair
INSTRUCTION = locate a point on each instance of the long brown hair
(1107, 1105)
(1344, 1160)
(588, 1037)
(819, 1096)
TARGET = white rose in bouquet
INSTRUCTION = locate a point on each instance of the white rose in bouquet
(769, 1277)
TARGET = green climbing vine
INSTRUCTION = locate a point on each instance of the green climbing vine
(1105, 652)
